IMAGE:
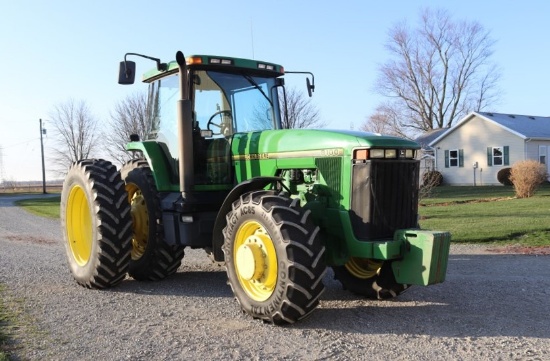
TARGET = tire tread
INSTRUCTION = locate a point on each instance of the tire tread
(102, 180)
(304, 252)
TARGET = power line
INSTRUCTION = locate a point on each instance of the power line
(20, 143)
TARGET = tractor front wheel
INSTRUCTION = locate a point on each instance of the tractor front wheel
(371, 278)
(274, 257)
(152, 258)
(96, 223)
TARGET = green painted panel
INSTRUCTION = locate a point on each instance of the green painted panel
(387, 250)
(425, 257)
(163, 171)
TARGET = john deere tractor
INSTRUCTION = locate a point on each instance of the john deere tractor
(277, 206)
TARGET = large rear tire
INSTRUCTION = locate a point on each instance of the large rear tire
(96, 223)
(274, 257)
(371, 278)
(152, 258)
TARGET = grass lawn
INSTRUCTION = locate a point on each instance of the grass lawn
(448, 194)
(45, 207)
(489, 214)
(5, 320)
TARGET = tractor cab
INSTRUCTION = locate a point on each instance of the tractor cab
(225, 96)
(225, 100)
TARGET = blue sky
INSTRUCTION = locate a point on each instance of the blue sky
(53, 51)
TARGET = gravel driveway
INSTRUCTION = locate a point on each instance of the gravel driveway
(492, 306)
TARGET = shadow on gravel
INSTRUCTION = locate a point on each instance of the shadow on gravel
(183, 283)
(483, 296)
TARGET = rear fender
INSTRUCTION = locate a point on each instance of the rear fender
(161, 165)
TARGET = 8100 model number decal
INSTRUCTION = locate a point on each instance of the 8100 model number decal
(331, 152)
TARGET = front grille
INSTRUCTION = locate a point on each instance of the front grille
(384, 198)
(331, 169)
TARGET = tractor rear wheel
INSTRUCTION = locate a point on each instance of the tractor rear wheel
(96, 222)
(371, 278)
(274, 257)
(152, 258)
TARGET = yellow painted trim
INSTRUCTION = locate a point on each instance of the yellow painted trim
(364, 268)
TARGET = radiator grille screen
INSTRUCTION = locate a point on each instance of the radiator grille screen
(384, 198)
(331, 169)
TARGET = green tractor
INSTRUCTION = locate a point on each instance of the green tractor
(276, 206)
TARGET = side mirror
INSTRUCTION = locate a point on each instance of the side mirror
(310, 85)
(310, 88)
(126, 72)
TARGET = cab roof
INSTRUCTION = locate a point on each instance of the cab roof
(219, 63)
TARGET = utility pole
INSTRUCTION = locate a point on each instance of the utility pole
(42, 131)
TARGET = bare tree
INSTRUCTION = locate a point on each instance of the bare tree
(301, 112)
(439, 71)
(384, 121)
(129, 117)
(76, 136)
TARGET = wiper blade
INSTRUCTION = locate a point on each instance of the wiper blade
(255, 85)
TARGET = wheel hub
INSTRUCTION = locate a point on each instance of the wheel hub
(79, 226)
(250, 262)
(140, 221)
(255, 261)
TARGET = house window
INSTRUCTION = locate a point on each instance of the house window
(542, 154)
(498, 156)
(454, 158)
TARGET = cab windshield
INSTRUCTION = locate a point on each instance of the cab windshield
(225, 103)
(228, 103)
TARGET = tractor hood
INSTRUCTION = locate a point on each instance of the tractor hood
(311, 142)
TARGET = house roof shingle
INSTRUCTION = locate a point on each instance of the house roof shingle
(425, 139)
(524, 126)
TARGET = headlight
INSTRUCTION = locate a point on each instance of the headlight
(377, 153)
(390, 153)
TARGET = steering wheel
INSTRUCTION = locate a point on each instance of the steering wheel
(224, 126)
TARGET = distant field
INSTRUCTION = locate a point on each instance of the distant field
(30, 189)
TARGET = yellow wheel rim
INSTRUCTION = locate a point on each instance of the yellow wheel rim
(363, 267)
(79, 225)
(255, 261)
(140, 221)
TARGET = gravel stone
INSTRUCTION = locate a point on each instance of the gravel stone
(492, 306)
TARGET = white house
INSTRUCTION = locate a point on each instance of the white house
(427, 153)
(478, 146)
